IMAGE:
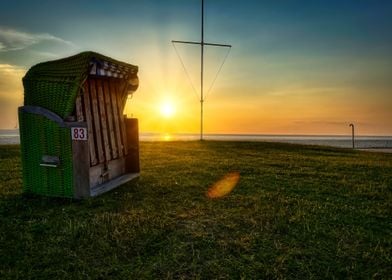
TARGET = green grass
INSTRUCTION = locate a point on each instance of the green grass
(297, 212)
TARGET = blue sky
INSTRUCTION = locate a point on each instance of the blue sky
(295, 66)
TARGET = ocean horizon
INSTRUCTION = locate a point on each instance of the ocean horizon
(11, 136)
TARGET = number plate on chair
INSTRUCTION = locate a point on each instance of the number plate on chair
(79, 133)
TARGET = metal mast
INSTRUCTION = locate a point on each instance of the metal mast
(202, 44)
(202, 70)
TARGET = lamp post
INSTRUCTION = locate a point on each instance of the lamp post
(352, 134)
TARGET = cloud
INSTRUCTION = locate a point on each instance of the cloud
(10, 79)
(306, 90)
(325, 123)
(11, 40)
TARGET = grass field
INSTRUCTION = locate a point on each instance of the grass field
(297, 212)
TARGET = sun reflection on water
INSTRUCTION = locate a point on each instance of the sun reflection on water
(167, 137)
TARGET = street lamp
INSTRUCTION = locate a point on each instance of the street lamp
(352, 134)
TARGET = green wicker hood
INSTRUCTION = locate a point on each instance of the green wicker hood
(54, 85)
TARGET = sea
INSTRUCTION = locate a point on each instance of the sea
(11, 136)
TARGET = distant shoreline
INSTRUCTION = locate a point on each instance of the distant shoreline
(15, 132)
(341, 141)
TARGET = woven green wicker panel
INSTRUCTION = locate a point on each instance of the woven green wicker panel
(54, 85)
(56, 96)
(40, 136)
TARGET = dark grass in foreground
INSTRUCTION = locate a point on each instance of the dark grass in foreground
(298, 212)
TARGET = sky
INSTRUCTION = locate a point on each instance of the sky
(295, 66)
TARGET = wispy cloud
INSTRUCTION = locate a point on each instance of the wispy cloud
(306, 90)
(11, 81)
(325, 122)
(11, 39)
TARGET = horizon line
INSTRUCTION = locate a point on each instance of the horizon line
(244, 134)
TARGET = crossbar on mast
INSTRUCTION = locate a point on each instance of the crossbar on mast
(199, 43)
(202, 44)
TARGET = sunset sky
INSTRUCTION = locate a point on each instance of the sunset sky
(296, 66)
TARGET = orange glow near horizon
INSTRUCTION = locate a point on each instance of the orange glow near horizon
(285, 102)
(303, 111)
(168, 103)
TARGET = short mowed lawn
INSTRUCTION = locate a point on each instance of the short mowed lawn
(297, 212)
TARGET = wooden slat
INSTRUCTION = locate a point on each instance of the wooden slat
(116, 118)
(90, 127)
(104, 172)
(122, 120)
(113, 183)
(79, 109)
(96, 119)
(132, 159)
(123, 94)
(103, 119)
(81, 168)
(109, 113)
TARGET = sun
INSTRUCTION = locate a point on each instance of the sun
(167, 109)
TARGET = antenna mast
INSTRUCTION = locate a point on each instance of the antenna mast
(202, 44)
(202, 70)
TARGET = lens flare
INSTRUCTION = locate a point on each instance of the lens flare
(224, 186)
